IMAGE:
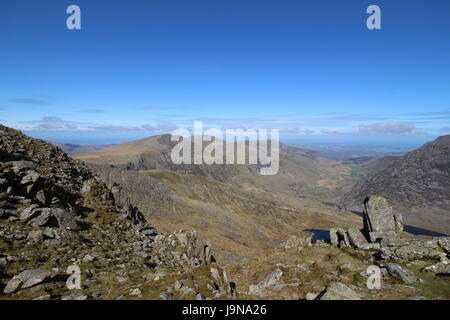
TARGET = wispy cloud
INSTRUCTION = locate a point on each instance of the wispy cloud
(387, 128)
(151, 108)
(434, 113)
(334, 132)
(53, 123)
(326, 126)
(32, 101)
(114, 128)
(51, 119)
(156, 107)
(92, 111)
(167, 126)
(378, 129)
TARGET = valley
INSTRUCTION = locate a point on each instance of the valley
(141, 227)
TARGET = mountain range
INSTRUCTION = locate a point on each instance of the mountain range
(140, 227)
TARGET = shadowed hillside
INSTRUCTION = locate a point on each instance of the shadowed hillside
(418, 183)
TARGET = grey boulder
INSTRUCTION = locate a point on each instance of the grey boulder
(27, 279)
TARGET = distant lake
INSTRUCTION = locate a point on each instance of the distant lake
(319, 234)
(422, 232)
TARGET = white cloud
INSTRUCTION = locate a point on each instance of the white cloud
(387, 128)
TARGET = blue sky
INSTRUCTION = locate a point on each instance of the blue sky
(310, 68)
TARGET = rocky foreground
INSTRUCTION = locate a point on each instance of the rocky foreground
(380, 261)
(57, 217)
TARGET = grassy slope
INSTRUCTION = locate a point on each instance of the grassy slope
(237, 222)
(246, 212)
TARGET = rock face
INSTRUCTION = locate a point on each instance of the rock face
(379, 219)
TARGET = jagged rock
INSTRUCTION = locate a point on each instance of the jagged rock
(28, 213)
(339, 238)
(410, 250)
(182, 249)
(369, 246)
(334, 237)
(89, 258)
(50, 233)
(136, 292)
(30, 178)
(400, 273)
(42, 217)
(271, 279)
(186, 291)
(26, 279)
(356, 239)
(41, 197)
(440, 268)
(179, 284)
(18, 166)
(36, 236)
(165, 296)
(379, 219)
(339, 291)
(350, 267)
(199, 296)
(444, 243)
(65, 220)
(221, 282)
(297, 242)
(311, 296)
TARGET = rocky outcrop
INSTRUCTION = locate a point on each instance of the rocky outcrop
(410, 249)
(26, 279)
(340, 238)
(379, 219)
(270, 280)
(182, 249)
(48, 200)
(297, 242)
(390, 248)
(400, 273)
(43, 187)
(339, 291)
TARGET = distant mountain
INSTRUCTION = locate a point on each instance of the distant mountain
(77, 148)
(302, 173)
(237, 209)
(418, 181)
